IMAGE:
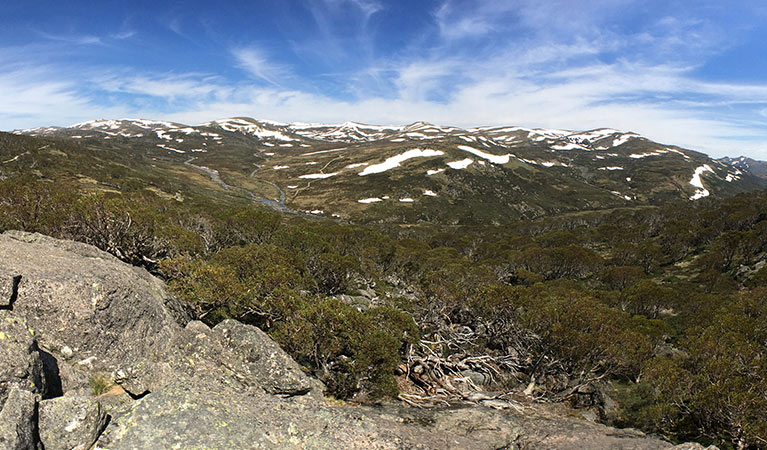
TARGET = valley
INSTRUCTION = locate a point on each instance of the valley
(419, 172)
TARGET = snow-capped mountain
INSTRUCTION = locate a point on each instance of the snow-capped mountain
(419, 171)
(758, 168)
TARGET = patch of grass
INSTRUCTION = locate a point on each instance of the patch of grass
(100, 384)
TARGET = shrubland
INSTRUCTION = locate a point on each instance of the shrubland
(668, 305)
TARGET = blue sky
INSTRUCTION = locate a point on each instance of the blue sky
(686, 72)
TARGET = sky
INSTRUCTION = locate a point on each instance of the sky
(686, 72)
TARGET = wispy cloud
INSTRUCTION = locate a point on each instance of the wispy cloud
(366, 7)
(84, 39)
(455, 24)
(165, 86)
(254, 61)
(127, 34)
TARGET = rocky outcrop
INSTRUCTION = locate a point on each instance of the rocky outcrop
(110, 315)
(95, 351)
(213, 417)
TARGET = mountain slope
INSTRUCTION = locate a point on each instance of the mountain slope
(418, 172)
(758, 168)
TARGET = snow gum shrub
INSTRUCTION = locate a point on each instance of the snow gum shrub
(32, 205)
(331, 271)
(719, 386)
(349, 350)
(579, 334)
(257, 284)
(243, 225)
(570, 261)
(139, 229)
(621, 277)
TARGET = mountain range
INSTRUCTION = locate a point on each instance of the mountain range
(395, 174)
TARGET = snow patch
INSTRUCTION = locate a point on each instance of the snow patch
(395, 161)
(495, 159)
(171, 149)
(247, 127)
(623, 139)
(163, 135)
(697, 181)
(462, 164)
(568, 146)
(318, 176)
(369, 200)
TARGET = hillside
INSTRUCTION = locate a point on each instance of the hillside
(648, 315)
(419, 172)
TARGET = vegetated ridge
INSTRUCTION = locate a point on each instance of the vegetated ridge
(418, 172)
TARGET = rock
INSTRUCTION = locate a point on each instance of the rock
(20, 364)
(70, 423)
(368, 293)
(477, 378)
(274, 370)
(18, 421)
(549, 432)
(9, 284)
(609, 411)
(669, 351)
(213, 417)
(481, 426)
(77, 296)
(694, 446)
(65, 378)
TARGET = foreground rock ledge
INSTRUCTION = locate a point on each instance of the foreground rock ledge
(103, 353)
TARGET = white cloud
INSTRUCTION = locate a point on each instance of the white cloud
(257, 65)
(33, 97)
(166, 86)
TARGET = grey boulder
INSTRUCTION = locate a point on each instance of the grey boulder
(20, 363)
(18, 426)
(272, 369)
(70, 423)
